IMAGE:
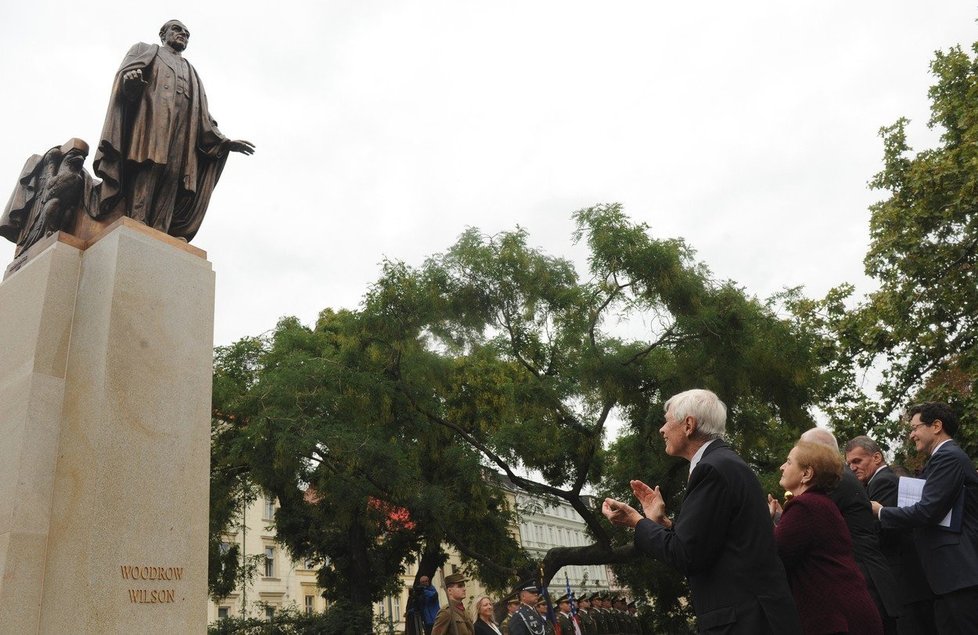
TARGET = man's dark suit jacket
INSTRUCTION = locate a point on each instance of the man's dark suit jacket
(897, 545)
(949, 558)
(723, 541)
(851, 499)
(883, 487)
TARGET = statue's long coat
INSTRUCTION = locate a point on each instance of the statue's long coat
(136, 131)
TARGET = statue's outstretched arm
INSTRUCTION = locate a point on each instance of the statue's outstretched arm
(242, 146)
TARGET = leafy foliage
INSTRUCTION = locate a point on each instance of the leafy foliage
(919, 330)
(338, 619)
(495, 357)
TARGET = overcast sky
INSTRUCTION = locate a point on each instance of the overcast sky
(384, 128)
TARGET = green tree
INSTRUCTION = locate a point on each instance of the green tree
(496, 357)
(918, 331)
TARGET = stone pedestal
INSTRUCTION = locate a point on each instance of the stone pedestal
(105, 386)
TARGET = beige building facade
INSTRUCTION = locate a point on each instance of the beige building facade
(279, 581)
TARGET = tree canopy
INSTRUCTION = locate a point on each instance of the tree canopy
(377, 428)
(916, 333)
(383, 430)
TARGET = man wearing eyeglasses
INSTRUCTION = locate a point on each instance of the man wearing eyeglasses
(945, 520)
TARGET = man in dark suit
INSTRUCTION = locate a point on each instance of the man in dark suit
(723, 538)
(851, 499)
(865, 458)
(949, 554)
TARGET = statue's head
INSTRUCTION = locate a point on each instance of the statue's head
(175, 35)
(76, 146)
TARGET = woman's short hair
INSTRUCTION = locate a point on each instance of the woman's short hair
(824, 461)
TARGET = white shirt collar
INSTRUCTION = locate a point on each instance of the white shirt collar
(699, 455)
(875, 473)
(939, 446)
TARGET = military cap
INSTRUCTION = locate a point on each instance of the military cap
(541, 601)
(563, 598)
(455, 578)
(512, 601)
(530, 585)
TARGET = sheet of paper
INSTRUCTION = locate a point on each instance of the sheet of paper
(909, 492)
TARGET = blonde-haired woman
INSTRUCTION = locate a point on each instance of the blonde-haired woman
(814, 544)
(485, 624)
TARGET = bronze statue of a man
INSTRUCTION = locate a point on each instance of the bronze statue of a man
(160, 154)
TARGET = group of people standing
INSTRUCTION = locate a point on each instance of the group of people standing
(530, 614)
(820, 566)
(844, 554)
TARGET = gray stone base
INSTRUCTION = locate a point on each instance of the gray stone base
(105, 386)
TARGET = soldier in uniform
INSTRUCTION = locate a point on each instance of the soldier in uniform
(585, 615)
(548, 626)
(568, 623)
(512, 605)
(610, 619)
(624, 624)
(632, 615)
(452, 619)
(526, 620)
(598, 614)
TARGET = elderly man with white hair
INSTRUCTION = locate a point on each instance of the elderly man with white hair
(722, 540)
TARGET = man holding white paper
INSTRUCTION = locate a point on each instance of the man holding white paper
(949, 554)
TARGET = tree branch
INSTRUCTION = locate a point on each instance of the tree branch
(558, 557)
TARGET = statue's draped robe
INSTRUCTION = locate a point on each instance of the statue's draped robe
(144, 133)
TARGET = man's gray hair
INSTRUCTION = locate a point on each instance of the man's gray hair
(704, 406)
(820, 435)
(864, 442)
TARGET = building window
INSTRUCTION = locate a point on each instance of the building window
(223, 549)
(269, 507)
(269, 562)
(309, 600)
(269, 612)
(223, 612)
(391, 607)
